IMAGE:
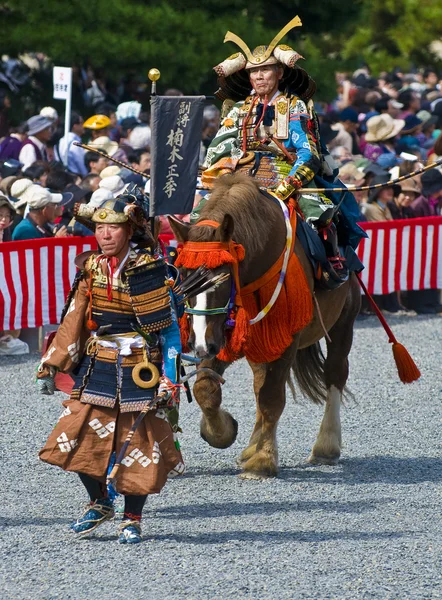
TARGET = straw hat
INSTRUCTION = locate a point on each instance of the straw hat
(383, 127)
(350, 174)
(410, 185)
(105, 144)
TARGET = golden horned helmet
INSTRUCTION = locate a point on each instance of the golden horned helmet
(233, 77)
(261, 55)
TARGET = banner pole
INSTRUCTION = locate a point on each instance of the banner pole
(154, 75)
(67, 123)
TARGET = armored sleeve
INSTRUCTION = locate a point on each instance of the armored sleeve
(302, 138)
(67, 348)
(225, 144)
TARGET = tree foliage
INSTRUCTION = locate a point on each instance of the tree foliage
(184, 39)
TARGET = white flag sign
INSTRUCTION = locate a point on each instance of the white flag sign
(62, 82)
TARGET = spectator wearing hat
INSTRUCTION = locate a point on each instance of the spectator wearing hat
(7, 214)
(354, 177)
(377, 208)
(50, 113)
(42, 206)
(382, 131)
(98, 126)
(409, 141)
(430, 202)
(429, 121)
(139, 137)
(79, 196)
(113, 184)
(12, 144)
(75, 154)
(10, 167)
(427, 205)
(95, 163)
(19, 207)
(346, 128)
(400, 206)
(35, 147)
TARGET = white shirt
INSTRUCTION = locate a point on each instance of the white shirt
(27, 154)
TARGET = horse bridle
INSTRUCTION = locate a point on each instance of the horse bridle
(222, 310)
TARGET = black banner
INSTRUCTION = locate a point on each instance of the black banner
(176, 123)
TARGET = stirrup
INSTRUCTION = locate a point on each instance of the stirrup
(129, 532)
(93, 516)
(334, 273)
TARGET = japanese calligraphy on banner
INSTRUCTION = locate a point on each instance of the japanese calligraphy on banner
(62, 79)
(176, 124)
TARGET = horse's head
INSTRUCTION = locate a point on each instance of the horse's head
(209, 310)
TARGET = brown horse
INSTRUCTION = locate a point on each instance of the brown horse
(256, 222)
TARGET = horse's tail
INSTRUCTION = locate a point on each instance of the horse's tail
(308, 370)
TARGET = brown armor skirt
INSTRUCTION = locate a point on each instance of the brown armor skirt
(86, 435)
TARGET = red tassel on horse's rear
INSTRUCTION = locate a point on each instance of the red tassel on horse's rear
(406, 367)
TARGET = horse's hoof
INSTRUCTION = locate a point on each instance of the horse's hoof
(313, 459)
(246, 454)
(252, 476)
(228, 430)
(260, 466)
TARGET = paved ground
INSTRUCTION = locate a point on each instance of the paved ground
(368, 528)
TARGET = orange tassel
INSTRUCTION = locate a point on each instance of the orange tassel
(184, 332)
(226, 354)
(406, 367)
(210, 259)
(240, 332)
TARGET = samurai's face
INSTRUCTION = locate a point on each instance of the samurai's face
(265, 79)
(113, 238)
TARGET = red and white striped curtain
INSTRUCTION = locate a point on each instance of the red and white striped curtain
(35, 278)
(36, 275)
(402, 255)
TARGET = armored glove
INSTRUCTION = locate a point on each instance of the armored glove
(288, 187)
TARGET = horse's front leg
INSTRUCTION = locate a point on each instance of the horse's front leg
(260, 458)
(218, 427)
(259, 373)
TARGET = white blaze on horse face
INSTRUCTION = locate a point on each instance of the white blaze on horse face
(200, 325)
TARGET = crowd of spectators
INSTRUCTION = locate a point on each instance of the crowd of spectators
(376, 129)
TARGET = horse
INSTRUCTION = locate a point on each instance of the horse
(239, 212)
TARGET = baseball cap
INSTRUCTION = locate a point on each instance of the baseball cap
(36, 196)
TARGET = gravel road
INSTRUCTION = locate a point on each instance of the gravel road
(367, 528)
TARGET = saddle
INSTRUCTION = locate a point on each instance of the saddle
(323, 247)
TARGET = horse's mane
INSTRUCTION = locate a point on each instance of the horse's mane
(253, 214)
